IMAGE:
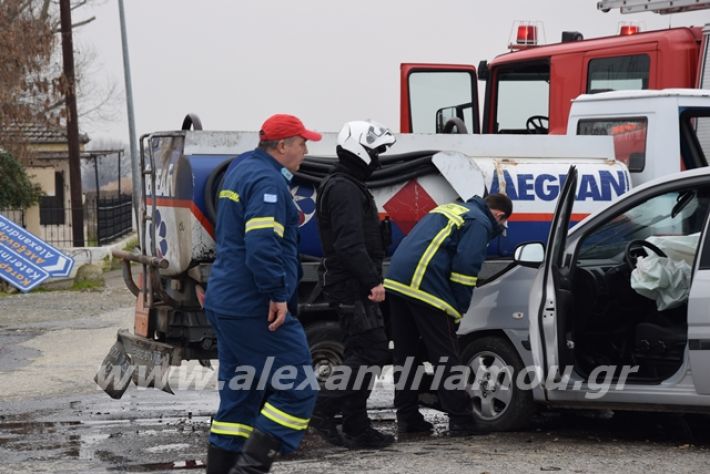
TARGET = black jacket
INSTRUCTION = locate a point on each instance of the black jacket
(350, 233)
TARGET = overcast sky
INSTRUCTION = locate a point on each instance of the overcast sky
(328, 61)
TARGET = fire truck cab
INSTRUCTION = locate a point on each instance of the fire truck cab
(530, 90)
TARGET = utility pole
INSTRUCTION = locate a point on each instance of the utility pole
(135, 162)
(77, 207)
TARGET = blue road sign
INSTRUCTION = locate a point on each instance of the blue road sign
(32, 250)
(19, 272)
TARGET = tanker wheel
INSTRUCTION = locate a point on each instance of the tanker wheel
(325, 340)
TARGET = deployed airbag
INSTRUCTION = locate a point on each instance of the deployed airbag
(677, 247)
(662, 279)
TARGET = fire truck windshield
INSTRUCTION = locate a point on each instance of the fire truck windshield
(523, 99)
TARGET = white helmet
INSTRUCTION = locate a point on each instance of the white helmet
(364, 138)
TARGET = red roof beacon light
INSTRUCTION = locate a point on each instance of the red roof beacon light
(526, 35)
(629, 28)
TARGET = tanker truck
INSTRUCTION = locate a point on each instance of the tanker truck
(182, 171)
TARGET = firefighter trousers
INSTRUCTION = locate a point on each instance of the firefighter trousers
(266, 381)
(414, 323)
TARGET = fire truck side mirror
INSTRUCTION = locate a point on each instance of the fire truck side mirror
(483, 70)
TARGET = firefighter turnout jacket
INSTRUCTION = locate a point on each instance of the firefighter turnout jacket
(438, 261)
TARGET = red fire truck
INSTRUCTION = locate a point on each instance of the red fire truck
(529, 90)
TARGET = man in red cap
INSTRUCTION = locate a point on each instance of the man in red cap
(266, 385)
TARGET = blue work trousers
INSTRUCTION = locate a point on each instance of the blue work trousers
(265, 380)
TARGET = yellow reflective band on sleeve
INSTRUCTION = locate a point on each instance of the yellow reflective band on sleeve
(231, 195)
(428, 254)
(264, 223)
(420, 295)
(279, 229)
(231, 429)
(284, 419)
(463, 279)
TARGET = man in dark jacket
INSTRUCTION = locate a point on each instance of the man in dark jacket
(353, 246)
(430, 284)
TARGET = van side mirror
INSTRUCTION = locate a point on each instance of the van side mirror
(529, 255)
(637, 162)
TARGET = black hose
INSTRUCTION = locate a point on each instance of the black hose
(317, 167)
(394, 169)
(320, 159)
(307, 178)
(389, 169)
(378, 182)
(210, 193)
(422, 171)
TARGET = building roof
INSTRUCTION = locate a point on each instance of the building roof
(40, 134)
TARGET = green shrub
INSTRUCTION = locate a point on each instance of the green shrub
(17, 191)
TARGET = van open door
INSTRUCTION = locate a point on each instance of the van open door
(703, 80)
(698, 321)
(549, 297)
(438, 98)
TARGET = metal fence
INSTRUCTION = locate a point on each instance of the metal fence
(105, 220)
(114, 218)
(15, 215)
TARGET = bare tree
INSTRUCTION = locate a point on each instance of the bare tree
(31, 78)
(27, 92)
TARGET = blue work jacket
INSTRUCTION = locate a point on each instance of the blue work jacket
(257, 239)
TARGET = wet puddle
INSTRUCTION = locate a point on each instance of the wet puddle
(125, 445)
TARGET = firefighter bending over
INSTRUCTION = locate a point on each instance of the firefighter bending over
(429, 285)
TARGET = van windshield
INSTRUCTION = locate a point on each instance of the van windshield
(695, 137)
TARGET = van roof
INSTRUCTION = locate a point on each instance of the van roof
(643, 94)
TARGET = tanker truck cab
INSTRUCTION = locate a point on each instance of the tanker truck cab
(603, 335)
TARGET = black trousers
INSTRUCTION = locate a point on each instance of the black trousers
(415, 323)
(366, 347)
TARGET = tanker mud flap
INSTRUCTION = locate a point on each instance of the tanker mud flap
(132, 358)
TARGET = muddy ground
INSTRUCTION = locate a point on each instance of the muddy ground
(54, 419)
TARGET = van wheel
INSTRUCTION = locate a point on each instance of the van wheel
(327, 349)
(498, 404)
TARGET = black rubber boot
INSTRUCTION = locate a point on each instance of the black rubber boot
(257, 455)
(327, 428)
(220, 461)
(324, 423)
(413, 424)
(463, 426)
(369, 438)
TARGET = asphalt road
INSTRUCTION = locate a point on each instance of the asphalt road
(54, 419)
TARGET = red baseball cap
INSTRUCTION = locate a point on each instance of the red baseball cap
(280, 126)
